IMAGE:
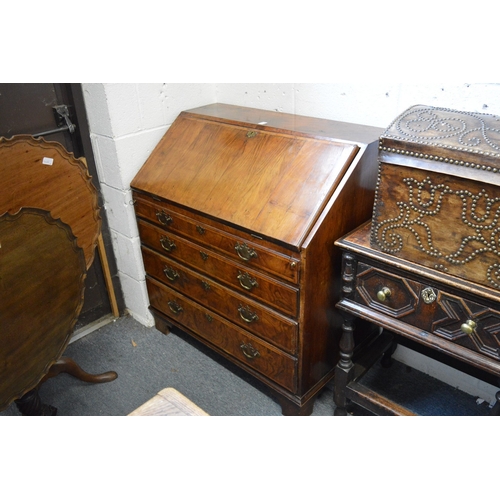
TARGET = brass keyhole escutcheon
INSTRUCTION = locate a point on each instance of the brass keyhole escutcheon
(249, 351)
(428, 295)
(164, 218)
(246, 281)
(247, 314)
(468, 327)
(170, 273)
(383, 294)
(167, 244)
(245, 252)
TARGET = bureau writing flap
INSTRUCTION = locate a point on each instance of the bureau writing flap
(273, 183)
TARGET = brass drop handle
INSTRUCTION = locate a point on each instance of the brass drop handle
(383, 294)
(167, 244)
(468, 327)
(247, 315)
(174, 307)
(249, 351)
(245, 252)
(164, 218)
(171, 274)
(246, 281)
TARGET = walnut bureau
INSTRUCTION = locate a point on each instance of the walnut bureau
(238, 210)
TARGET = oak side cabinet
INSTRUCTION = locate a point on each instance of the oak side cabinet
(446, 317)
(238, 210)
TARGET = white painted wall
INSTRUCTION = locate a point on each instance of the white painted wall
(127, 120)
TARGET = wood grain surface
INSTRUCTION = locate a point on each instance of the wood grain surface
(41, 174)
(42, 273)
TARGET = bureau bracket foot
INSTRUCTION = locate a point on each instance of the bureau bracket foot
(290, 409)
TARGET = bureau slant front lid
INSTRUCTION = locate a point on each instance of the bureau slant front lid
(437, 200)
(268, 181)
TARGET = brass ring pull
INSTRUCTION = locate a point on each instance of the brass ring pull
(174, 307)
(468, 327)
(383, 294)
(164, 218)
(245, 252)
(170, 273)
(246, 281)
(247, 315)
(167, 244)
(249, 351)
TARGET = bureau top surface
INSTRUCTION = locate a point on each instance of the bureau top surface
(265, 172)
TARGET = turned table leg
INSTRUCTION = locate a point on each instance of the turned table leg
(30, 405)
(495, 411)
(344, 371)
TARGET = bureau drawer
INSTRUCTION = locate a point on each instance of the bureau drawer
(278, 295)
(248, 349)
(467, 323)
(257, 319)
(248, 252)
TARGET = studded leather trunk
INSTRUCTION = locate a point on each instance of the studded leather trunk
(437, 198)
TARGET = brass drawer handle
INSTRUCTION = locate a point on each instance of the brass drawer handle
(468, 327)
(167, 244)
(174, 307)
(249, 351)
(170, 273)
(204, 256)
(164, 218)
(246, 281)
(206, 286)
(201, 230)
(247, 315)
(209, 318)
(383, 294)
(245, 252)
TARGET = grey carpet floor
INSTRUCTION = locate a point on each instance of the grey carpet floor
(147, 361)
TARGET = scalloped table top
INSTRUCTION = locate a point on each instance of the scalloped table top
(40, 174)
(42, 283)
